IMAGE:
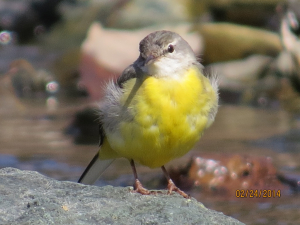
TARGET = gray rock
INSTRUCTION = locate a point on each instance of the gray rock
(28, 197)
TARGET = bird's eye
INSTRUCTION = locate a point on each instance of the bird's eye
(170, 48)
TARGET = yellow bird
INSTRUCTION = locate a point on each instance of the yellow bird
(157, 110)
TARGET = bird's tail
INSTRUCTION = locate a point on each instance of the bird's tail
(94, 170)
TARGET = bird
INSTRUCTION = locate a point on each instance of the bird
(156, 110)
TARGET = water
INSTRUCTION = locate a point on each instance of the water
(32, 138)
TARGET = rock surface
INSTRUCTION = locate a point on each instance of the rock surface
(28, 197)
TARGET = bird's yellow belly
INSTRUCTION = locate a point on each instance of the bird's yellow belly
(169, 116)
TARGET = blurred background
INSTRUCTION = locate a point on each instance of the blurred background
(57, 55)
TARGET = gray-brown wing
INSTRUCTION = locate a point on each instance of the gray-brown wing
(128, 73)
(96, 167)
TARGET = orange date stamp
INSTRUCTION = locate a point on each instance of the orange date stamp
(257, 193)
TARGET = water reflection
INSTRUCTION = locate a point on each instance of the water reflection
(286, 142)
(42, 164)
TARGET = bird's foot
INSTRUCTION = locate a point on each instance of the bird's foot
(173, 187)
(138, 188)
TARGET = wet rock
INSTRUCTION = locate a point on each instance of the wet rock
(225, 41)
(235, 172)
(22, 81)
(29, 198)
(27, 81)
(224, 175)
(237, 11)
(247, 81)
(240, 74)
(139, 13)
(289, 60)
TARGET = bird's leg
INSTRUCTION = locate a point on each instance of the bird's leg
(138, 187)
(172, 186)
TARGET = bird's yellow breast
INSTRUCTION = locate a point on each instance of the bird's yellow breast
(169, 116)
